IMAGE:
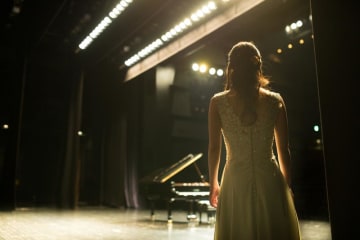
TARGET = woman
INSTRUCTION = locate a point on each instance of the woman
(254, 200)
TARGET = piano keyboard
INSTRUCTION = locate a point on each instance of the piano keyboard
(191, 189)
(195, 194)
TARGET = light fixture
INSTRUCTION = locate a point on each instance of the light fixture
(169, 35)
(105, 22)
(226, 13)
(294, 27)
(203, 68)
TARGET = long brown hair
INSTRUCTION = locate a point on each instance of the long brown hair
(244, 74)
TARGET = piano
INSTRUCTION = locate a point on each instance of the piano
(159, 187)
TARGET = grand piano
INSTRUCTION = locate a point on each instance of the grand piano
(159, 188)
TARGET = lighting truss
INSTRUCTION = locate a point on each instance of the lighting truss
(169, 35)
(138, 64)
(104, 23)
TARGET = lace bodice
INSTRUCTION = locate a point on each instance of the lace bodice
(253, 143)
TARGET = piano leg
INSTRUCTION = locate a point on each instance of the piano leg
(169, 208)
(152, 210)
(152, 199)
(191, 213)
(205, 207)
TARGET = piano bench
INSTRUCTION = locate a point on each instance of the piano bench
(204, 206)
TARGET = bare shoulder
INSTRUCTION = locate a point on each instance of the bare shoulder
(272, 97)
(270, 94)
(219, 95)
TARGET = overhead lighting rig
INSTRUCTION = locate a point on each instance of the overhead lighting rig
(172, 33)
(104, 23)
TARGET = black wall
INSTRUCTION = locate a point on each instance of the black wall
(336, 42)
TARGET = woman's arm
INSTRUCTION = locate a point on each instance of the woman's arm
(214, 150)
(282, 143)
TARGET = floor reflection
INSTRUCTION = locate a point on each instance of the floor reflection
(124, 224)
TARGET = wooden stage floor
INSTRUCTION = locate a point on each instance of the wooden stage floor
(118, 224)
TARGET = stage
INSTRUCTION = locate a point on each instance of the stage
(121, 224)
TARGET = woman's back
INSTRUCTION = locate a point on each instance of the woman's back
(252, 183)
(245, 142)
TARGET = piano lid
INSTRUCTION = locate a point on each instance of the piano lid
(177, 167)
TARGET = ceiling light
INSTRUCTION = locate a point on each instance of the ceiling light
(107, 20)
(195, 67)
(173, 32)
(212, 71)
(198, 31)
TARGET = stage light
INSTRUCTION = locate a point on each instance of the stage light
(172, 33)
(107, 20)
(212, 71)
(195, 67)
(293, 27)
(220, 72)
(316, 128)
(203, 68)
(173, 43)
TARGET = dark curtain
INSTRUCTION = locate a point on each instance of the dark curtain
(113, 163)
(134, 113)
(69, 186)
(120, 126)
(336, 43)
(130, 174)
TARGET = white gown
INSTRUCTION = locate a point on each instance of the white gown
(255, 202)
